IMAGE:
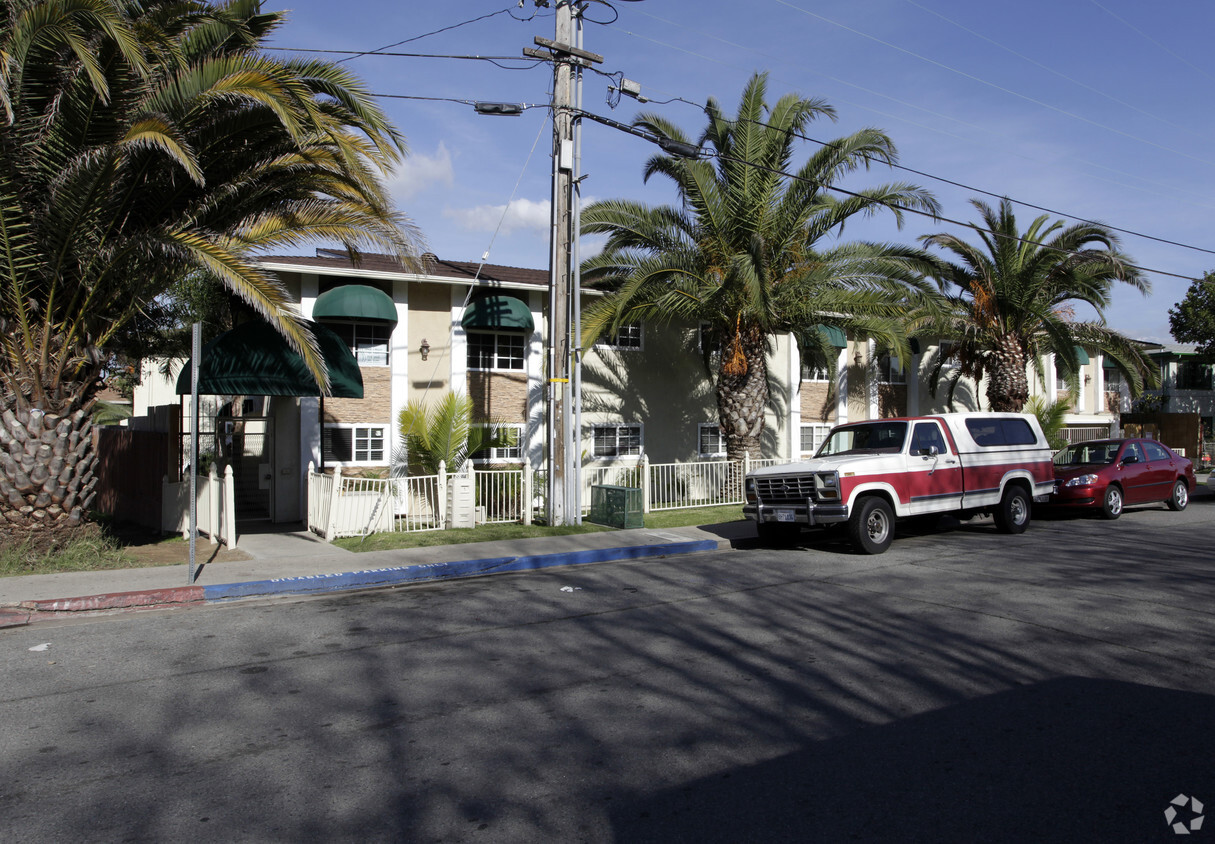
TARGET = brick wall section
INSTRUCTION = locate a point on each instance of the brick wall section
(818, 401)
(892, 400)
(499, 396)
(374, 407)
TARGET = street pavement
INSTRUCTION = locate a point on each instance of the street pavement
(300, 563)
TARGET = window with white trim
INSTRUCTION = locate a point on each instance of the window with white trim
(890, 371)
(354, 444)
(511, 451)
(814, 372)
(626, 337)
(616, 440)
(813, 436)
(710, 441)
(367, 341)
(492, 350)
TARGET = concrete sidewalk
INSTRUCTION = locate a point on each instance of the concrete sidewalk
(299, 564)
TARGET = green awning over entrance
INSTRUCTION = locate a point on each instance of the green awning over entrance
(254, 360)
(355, 301)
(835, 335)
(1081, 356)
(498, 312)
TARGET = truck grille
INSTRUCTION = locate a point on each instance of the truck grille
(784, 489)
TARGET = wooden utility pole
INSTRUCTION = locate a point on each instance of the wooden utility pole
(568, 61)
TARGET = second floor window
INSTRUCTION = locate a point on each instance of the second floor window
(492, 350)
(890, 371)
(368, 341)
(626, 337)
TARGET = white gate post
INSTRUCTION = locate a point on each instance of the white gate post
(333, 502)
(229, 521)
(527, 493)
(441, 493)
(213, 505)
(644, 463)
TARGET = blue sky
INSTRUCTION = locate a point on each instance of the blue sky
(1099, 109)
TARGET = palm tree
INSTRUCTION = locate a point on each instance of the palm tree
(1013, 300)
(142, 141)
(753, 248)
(444, 433)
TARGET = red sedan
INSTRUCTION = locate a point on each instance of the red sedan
(1110, 474)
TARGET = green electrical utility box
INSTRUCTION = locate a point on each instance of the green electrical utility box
(616, 506)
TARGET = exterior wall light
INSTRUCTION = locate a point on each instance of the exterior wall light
(424, 349)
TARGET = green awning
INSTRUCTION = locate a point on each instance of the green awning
(835, 335)
(498, 312)
(254, 360)
(1108, 363)
(1081, 355)
(355, 301)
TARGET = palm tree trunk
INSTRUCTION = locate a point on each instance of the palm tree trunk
(1007, 384)
(47, 465)
(742, 396)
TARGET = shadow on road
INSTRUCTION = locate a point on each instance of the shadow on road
(1069, 760)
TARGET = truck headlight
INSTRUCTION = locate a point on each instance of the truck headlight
(749, 491)
(827, 485)
(1082, 480)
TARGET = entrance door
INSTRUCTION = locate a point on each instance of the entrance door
(246, 443)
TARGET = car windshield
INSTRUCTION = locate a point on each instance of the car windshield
(1087, 454)
(884, 437)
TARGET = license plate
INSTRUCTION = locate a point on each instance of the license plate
(784, 515)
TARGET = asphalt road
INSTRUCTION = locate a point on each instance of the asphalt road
(965, 686)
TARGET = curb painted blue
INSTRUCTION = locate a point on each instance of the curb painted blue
(312, 584)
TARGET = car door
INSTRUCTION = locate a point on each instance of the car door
(1133, 473)
(934, 474)
(1162, 470)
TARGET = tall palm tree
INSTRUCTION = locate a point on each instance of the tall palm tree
(1013, 300)
(753, 249)
(144, 140)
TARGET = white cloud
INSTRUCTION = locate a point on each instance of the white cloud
(420, 172)
(520, 215)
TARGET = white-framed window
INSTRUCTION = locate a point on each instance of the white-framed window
(710, 441)
(367, 341)
(626, 337)
(813, 436)
(1060, 380)
(616, 440)
(1113, 379)
(355, 444)
(510, 452)
(490, 350)
(816, 372)
(890, 371)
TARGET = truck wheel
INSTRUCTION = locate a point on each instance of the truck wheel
(777, 535)
(1180, 496)
(1012, 513)
(871, 527)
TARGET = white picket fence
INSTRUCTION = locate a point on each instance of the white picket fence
(351, 506)
(215, 507)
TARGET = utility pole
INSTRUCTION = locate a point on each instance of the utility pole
(568, 61)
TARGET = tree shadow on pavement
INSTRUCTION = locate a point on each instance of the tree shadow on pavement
(1065, 760)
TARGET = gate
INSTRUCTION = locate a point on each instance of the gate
(246, 443)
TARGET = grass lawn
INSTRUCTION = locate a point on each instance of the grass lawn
(490, 533)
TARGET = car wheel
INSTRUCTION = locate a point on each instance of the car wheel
(777, 535)
(1111, 505)
(871, 527)
(1012, 513)
(1180, 497)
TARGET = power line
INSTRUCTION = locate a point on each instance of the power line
(919, 212)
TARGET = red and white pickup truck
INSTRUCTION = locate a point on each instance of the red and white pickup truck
(869, 473)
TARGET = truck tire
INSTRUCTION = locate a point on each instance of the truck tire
(871, 527)
(777, 535)
(1012, 513)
